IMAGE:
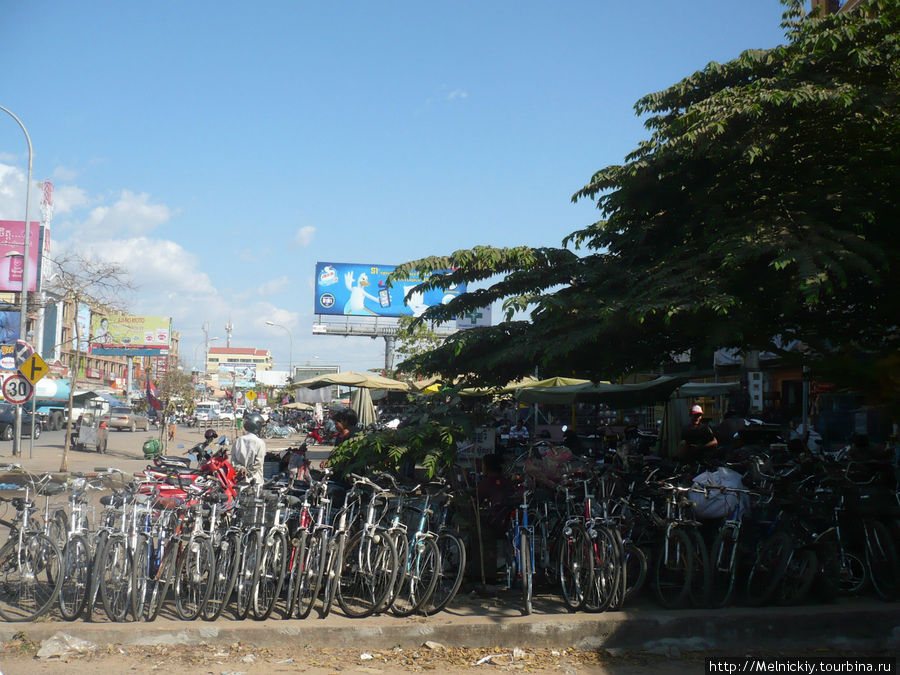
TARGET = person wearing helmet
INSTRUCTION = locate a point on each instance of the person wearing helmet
(697, 439)
(249, 451)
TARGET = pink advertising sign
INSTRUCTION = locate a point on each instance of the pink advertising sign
(12, 255)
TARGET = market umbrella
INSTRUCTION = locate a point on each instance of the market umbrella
(350, 378)
(361, 402)
(297, 405)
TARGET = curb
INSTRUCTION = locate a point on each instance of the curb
(860, 625)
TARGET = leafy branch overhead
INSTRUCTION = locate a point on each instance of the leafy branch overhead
(762, 208)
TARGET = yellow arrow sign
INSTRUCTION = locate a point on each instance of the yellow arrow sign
(34, 368)
(250, 395)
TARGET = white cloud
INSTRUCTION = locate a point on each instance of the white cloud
(457, 93)
(304, 235)
(132, 214)
(64, 174)
(68, 198)
(272, 287)
(156, 266)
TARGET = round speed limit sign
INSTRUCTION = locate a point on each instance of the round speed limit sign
(17, 389)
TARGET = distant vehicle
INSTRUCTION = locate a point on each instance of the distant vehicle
(8, 421)
(226, 415)
(123, 417)
(207, 411)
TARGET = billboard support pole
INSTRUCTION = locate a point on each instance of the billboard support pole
(23, 318)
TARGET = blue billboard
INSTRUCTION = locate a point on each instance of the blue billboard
(346, 289)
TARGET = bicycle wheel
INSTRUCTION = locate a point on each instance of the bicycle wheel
(76, 577)
(115, 578)
(271, 574)
(312, 566)
(527, 561)
(417, 578)
(228, 558)
(772, 558)
(97, 561)
(635, 569)
(450, 573)
(700, 570)
(607, 556)
(193, 581)
(797, 578)
(367, 573)
(333, 564)
(672, 571)
(141, 575)
(575, 566)
(247, 574)
(29, 578)
(58, 528)
(881, 559)
(722, 562)
(161, 581)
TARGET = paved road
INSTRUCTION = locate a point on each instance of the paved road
(124, 450)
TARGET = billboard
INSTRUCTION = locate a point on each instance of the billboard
(9, 327)
(346, 289)
(243, 374)
(114, 334)
(83, 319)
(12, 254)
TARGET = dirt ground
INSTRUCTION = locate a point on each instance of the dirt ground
(20, 656)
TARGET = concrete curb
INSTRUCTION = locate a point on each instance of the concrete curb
(859, 625)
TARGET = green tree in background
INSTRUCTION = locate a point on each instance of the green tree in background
(762, 209)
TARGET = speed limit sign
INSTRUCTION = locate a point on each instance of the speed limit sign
(17, 389)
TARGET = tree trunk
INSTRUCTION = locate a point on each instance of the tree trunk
(73, 380)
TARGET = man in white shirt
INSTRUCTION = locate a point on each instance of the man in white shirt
(249, 451)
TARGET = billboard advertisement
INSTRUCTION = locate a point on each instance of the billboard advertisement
(111, 334)
(12, 254)
(346, 289)
(242, 374)
(9, 327)
(83, 319)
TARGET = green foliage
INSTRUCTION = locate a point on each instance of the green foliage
(436, 423)
(761, 209)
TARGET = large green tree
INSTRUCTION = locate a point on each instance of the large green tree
(763, 208)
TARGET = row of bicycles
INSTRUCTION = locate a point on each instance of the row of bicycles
(197, 544)
(787, 529)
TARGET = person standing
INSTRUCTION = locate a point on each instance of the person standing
(697, 439)
(249, 451)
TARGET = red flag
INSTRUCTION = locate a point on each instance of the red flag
(286, 400)
(153, 397)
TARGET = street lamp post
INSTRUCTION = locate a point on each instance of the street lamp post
(23, 317)
(291, 338)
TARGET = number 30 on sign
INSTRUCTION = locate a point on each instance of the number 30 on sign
(17, 389)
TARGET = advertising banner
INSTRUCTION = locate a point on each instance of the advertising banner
(115, 334)
(83, 318)
(12, 254)
(346, 289)
(9, 327)
(244, 375)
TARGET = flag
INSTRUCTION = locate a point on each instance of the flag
(153, 397)
(285, 400)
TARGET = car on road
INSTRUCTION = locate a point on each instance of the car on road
(8, 421)
(226, 414)
(123, 417)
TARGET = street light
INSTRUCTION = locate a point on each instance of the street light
(291, 336)
(23, 316)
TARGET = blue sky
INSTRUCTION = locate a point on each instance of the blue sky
(217, 150)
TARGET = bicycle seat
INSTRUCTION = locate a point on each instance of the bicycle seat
(52, 489)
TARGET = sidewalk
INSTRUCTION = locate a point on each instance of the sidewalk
(853, 624)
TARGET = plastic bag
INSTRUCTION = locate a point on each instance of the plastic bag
(719, 504)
